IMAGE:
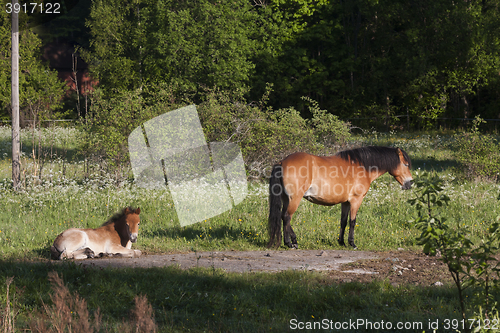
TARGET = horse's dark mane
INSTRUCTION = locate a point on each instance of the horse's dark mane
(383, 158)
(117, 216)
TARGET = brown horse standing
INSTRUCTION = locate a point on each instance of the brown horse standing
(114, 237)
(342, 178)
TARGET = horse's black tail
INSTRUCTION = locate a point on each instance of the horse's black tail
(276, 189)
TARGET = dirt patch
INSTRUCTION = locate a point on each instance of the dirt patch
(342, 266)
(397, 267)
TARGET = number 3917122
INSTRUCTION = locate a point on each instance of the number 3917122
(33, 7)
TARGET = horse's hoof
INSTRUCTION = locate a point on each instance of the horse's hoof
(341, 243)
(295, 246)
(354, 247)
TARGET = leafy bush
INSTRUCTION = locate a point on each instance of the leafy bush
(263, 134)
(328, 129)
(471, 266)
(112, 119)
(266, 135)
(478, 153)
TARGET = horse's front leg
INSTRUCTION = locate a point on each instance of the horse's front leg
(343, 221)
(350, 239)
(120, 251)
(84, 253)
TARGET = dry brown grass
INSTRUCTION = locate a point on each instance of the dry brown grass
(69, 313)
(143, 316)
(8, 315)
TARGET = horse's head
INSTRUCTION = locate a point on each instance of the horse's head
(402, 171)
(132, 221)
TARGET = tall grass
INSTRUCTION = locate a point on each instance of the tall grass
(209, 300)
(30, 221)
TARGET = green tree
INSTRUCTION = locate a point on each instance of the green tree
(378, 59)
(181, 43)
(40, 90)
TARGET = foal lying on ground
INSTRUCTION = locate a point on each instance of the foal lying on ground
(114, 237)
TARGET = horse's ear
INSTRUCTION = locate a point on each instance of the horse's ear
(138, 211)
(400, 153)
(126, 210)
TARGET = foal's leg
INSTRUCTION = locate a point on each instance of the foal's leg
(346, 206)
(82, 254)
(120, 251)
(289, 207)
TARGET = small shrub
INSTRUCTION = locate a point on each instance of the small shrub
(471, 267)
(478, 153)
(328, 129)
(266, 135)
(111, 120)
(263, 134)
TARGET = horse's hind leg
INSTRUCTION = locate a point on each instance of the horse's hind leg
(346, 206)
(289, 207)
(54, 253)
(352, 223)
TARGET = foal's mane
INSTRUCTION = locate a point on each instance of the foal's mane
(117, 216)
(384, 158)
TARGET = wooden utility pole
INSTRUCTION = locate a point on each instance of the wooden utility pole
(16, 142)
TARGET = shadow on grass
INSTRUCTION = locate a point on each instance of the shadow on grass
(433, 164)
(191, 233)
(214, 301)
(69, 154)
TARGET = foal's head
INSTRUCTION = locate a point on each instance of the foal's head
(132, 221)
(402, 171)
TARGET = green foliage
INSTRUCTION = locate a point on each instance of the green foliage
(431, 59)
(266, 135)
(111, 120)
(434, 228)
(263, 134)
(40, 90)
(185, 45)
(108, 124)
(329, 130)
(478, 153)
(470, 266)
(483, 272)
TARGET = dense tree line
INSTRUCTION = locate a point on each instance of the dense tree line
(359, 58)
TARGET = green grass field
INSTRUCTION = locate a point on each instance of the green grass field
(201, 300)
